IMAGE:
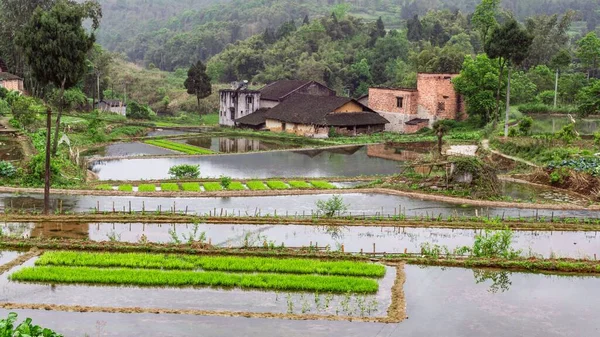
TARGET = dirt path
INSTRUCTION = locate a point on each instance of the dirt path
(486, 145)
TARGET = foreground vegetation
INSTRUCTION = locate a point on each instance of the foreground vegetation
(211, 263)
(178, 278)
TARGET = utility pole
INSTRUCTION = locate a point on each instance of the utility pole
(47, 173)
(556, 89)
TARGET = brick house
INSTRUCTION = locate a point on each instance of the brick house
(411, 109)
(8, 80)
(314, 116)
(238, 103)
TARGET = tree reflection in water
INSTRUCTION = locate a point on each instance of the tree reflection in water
(336, 232)
(500, 279)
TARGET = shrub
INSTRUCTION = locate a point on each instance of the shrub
(211, 187)
(256, 185)
(277, 185)
(567, 134)
(146, 188)
(235, 186)
(525, 125)
(185, 171)
(139, 111)
(126, 188)
(546, 97)
(225, 181)
(322, 185)
(332, 206)
(597, 138)
(299, 184)
(4, 108)
(169, 187)
(513, 132)
(26, 328)
(7, 169)
(493, 244)
(191, 187)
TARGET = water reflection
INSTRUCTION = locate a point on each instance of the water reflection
(238, 144)
(500, 279)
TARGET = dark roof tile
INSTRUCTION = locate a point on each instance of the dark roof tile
(8, 77)
(256, 118)
(279, 89)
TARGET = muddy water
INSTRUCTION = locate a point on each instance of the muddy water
(440, 302)
(526, 192)
(7, 256)
(10, 150)
(237, 144)
(196, 298)
(358, 204)
(345, 162)
(129, 150)
(354, 239)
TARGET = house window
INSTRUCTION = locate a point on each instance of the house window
(249, 99)
(441, 106)
(400, 102)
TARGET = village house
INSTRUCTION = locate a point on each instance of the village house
(410, 110)
(240, 106)
(112, 105)
(315, 116)
(8, 80)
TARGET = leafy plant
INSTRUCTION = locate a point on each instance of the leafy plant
(225, 181)
(185, 171)
(331, 207)
(494, 244)
(568, 134)
(7, 169)
(525, 125)
(25, 329)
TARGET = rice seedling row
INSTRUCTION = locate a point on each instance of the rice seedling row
(169, 187)
(211, 187)
(191, 187)
(299, 184)
(211, 263)
(322, 185)
(180, 147)
(179, 278)
(256, 186)
(277, 185)
(126, 188)
(236, 186)
(146, 188)
(217, 186)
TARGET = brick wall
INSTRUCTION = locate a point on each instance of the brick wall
(437, 96)
(385, 100)
(16, 85)
(414, 128)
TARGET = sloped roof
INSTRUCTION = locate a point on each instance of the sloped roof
(319, 110)
(256, 118)
(8, 77)
(279, 89)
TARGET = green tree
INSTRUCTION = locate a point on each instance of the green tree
(588, 51)
(510, 44)
(198, 82)
(560, 61)
(414, 29)
(589, 99)
(377, 32)
(56, 45)
(484, 18)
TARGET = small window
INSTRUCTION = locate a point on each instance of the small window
(249, 99)
(441, 106)
(400, 102)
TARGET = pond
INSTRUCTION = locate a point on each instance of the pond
(238, 144)
(368, 204)
(10, 149)
(354, 238)
(333, 162)
(532, 193)
(553, 124)
(129, 150)
(459, 303)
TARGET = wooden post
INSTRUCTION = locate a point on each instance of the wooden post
(129, 206)
(342, 248)
(374, 248)
(113, 207)
(47, 165)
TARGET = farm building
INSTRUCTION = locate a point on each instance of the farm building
(112, 105)
(8, 80)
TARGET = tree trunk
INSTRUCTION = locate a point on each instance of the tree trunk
(60, 110)
(98, 85)
(497, 114)
(47, 171)
(556, 89)
(440, 137)
(507, 105)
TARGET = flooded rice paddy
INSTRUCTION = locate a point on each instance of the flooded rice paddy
(354, 239)
(339, 162)
(359, 204)
(553, 124)
(7, 256)
(238, 144)
(10, 149)
(449, 302)
(129, 150)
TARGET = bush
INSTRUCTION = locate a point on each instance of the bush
(7, 170)
(332, 206)
(225, 181)
(525, 125)
(546, 97)
(538, 108)
(493, 244)
(597, 138)
(139, 111)
(567, 134)
(146, 188)
(4, 108)
(169, 187)
(26, 328)
(185, 171)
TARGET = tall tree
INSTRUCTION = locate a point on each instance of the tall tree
(378, 31)
(415, 29)
(510, 44)
(198, 82)
(56, 46)
(588, 52)
(484, 18)
(550, 36)
(559, 62)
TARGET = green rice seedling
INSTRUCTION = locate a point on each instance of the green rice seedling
(236, 186)
(169, 187)
(211, 263)
(180, 278)
(146, 188)
(299, 184)
(104, 187)
(191, 187)
(211, 187)
(322, 185)
(256, 185)
(126, 188)
(179, 147)
(277, 185)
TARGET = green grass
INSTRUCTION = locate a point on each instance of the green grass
(256, 185)
(146, 188)
(211, 187)
(277, 185)
(191, 187)
(126, 188)
(169, 187)
(236, 186)
(154, 278)
(322, 185)
(210, 119)
(104, 187)
(180, 147)
(299, 184)
(210, 263)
